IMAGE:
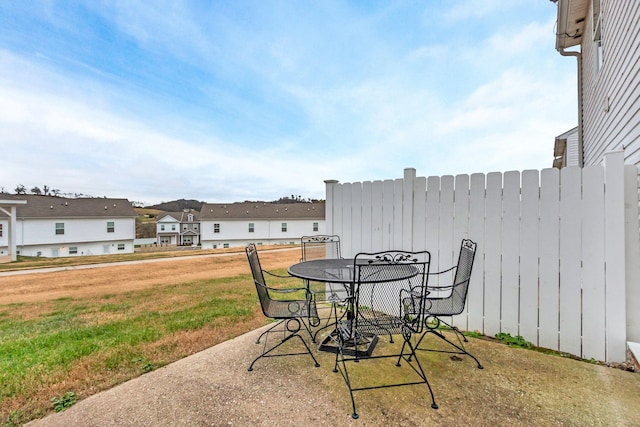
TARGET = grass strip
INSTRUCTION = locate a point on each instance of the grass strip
(85, 345)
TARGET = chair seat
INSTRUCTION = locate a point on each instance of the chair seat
(288, 309)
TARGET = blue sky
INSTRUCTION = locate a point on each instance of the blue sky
(225, 101)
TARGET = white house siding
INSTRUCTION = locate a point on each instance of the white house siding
(37, 237)
(572, 155)
(4, 237)
(171, 230)
(611, 95)
(267, 232)
(234, 220)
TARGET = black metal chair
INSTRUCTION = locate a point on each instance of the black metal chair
(289, 312)
(387, 298)
(322, 246)
(448, 300)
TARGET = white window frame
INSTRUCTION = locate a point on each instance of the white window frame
(597, 32)
(283, 227)
(111, 226)
(252, 227)
(60, 228)
(216, 227)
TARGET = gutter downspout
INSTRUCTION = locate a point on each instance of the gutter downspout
(578, 57)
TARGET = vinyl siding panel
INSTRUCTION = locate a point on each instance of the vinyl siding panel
(573, 154)
(611, 94)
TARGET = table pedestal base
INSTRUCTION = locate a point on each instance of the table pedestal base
(365, 346)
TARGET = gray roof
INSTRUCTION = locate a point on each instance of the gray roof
(183, 216)
(60, 207)
(11, 199)
(262, 210)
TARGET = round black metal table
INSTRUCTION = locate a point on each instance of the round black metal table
(343, 271)
(324, 270)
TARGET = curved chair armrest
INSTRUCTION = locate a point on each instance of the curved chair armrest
(282, 276)
(443, 271)
(281, 290)
(431, 288)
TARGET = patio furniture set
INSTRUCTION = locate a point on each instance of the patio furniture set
(371, 297)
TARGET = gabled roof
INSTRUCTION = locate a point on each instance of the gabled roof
(60, 207)
(169, 218)
(182, 216)
(262, 210)
(572, 15)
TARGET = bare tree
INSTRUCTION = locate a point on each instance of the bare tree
(36, 190)
(20, 189)
(45, 190)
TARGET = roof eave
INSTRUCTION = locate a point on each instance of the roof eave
(570, 23)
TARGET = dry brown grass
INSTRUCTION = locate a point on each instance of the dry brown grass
(148, 287)
(42, 287)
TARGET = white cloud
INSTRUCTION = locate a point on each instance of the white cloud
(235, 105)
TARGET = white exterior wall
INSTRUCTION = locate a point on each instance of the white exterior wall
(266, 232)
(572, 157)
(37, 237)
(611, 93)
(169, 226)
(4, 239)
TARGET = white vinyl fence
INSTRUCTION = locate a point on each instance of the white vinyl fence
(558, 250)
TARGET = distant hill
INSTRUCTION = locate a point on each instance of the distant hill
(178, 205)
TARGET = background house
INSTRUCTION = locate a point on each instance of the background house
(51, 226)
(604, 37)
(8, 226)
(237, 224)
(565, 150)
(179, 228)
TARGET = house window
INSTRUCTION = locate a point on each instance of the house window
(73, 250)
(173, 227)
(184, 227)
(111, 226)
(190, 217)
(251, 227)
(226, 245)
(121, 246)
(315, 226)
(59, 227)
(216, 228)
(161, 227)
(0, 230)
(597, 33)
(284, 227)
(195, 227)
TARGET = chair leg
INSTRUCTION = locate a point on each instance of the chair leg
(293, 332)
(275, 325)
(345, 374)
(418, 370)
(435, 329)
(333, 314)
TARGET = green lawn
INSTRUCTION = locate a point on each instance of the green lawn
(72, 347)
